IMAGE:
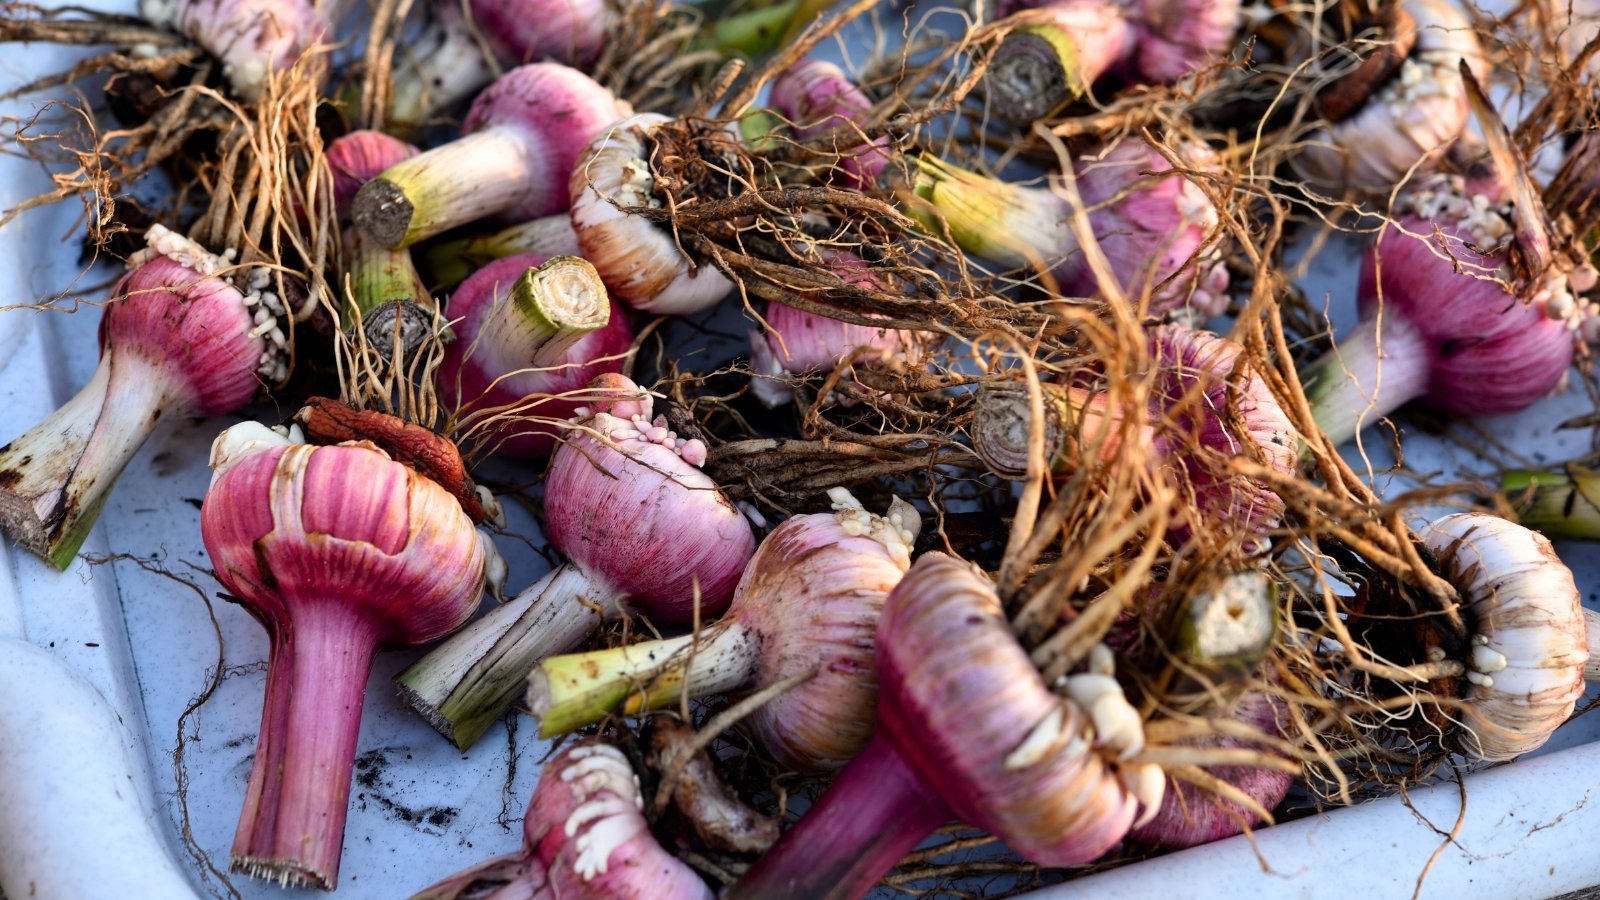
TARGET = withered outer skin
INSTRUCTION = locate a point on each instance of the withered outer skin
(719, 818)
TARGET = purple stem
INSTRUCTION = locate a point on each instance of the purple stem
(292, 826)
(876, 813)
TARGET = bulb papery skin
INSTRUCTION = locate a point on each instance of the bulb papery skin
(563, 110)
(1459, 339)
(819, 98)
(638, 261)
(174, 342)
(1189, 817)
(520, 142)
(359, 157)
(803, 343)
(337, 550)
(500, 357)
(1177, 37)
(1415, 114)
(808, 600)
(814, 592)
(1203, 391)
(636, 515)
(585, 837)
(252, 38)
(246, 439)
(1149, 226)
(1530, 641)
(960, 718)
(572, 32)
(966, 729)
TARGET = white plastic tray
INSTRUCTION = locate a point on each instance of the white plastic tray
(421, 810)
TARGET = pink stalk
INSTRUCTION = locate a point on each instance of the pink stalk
(529, 332)
(1153, 225)
(584, 838)
(803, 343)
(520, 142)
(644, 531)
(966, 728)
(1440, 321)
(1190, 425)
(336, 550)
(821, 101)
(877, 811)
(808, 603)
(177, 340)
(449, 65)
(639, 261)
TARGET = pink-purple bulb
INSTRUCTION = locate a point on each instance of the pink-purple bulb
(623, 504)
(1486, 351)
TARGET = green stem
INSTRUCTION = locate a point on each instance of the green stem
(559, 303)
(764, 30)
(1035, 72)
(55, 479)
(470, 178)
(472, 679)
(1563, 505)
(378, 275)
(568, 692)
(1047, 64)
(449, 263)
(1007, 224)
(548, 309)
